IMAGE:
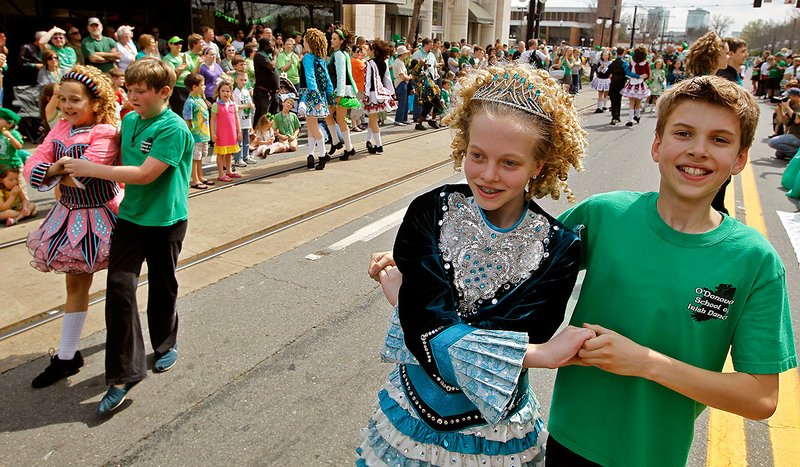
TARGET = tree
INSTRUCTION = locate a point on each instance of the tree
(720, 24)
(411, 37)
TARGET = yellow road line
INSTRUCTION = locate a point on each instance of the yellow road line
(727, 446)
(784, 426)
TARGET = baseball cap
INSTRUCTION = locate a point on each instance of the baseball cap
(791, 92)
(175, 40)
(94, 20)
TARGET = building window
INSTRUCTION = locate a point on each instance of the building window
(438, 13)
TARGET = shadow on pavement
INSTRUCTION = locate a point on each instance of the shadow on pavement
(26, 408)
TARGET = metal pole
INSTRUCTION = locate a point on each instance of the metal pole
(613, 22)
(531, 20)
(539, 11)
(633, 28)
(602, 32)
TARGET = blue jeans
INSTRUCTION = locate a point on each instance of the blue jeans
(245, 152)
(402, 102)
(784, 145)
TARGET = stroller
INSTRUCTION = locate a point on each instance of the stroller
(26, 98)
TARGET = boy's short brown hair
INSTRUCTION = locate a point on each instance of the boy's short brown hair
(192, 80)
(154, 73)
(716, 91)
(193, 39)
(237, 59)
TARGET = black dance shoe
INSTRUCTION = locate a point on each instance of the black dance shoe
(347, 154)
(310, 162)
(322, 161)
(58, 370)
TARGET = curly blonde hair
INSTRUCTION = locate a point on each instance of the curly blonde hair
(317, 43)
(561, 143)
(106, 101)
(701, 59)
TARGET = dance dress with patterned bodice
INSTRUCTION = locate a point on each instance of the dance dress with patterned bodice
(76, 235)
(473, 297)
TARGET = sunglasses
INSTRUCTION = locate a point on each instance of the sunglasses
(52, 58)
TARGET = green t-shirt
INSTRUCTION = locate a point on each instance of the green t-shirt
(67, 58)
(175, 62)
(105, 44)
(688, 296)
(286, 125)
(165, 137)
(293, 73)
(8, 153)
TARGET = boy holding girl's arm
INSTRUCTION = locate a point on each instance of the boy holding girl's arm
(671, 286)
(156, 149)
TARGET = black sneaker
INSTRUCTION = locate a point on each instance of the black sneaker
(419, 126)
(372, 149)
(322, 161)
(379, 149)
(58, 370)
(598, 110)
(310, 162)
(433, 124)
(347, 154)
(613, 121)
(370, 146)
(629, 123)
(637, 119)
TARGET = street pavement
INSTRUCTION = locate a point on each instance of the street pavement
(279, 340)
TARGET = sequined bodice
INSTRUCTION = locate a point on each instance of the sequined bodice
(484, 260)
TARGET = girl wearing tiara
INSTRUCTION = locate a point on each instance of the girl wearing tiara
(486, 275)
(75, 237)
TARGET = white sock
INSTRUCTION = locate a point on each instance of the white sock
(369, 134)
(321, 146)
(348, 145)
(636, 112)
(599, 103)
(378, 141)
(311, 144)
(71, 328)
(334, 135)
(630, 115)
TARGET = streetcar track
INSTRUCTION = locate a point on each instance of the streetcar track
(243, 180)
(32, 322)
(42, 318)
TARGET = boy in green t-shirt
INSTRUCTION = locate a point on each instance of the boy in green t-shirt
(671, 286)
(156, 149)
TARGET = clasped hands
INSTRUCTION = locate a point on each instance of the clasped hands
(590, 345)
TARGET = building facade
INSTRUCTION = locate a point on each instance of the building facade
(697, 19)
(576, 24)
(478, 21)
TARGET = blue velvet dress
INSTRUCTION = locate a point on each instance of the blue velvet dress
(473, 297)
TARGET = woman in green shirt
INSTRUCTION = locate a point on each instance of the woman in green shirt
(289, 62)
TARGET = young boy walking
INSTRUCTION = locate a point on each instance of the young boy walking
(671, 286)
(156, 148)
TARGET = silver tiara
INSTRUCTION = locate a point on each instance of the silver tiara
(514, 91)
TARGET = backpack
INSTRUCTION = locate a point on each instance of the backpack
(535, 61)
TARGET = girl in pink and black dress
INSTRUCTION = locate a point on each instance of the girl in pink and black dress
(378, 92)
(637, 89)
(75, 237)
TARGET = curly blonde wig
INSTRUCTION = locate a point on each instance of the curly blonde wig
(105, 102)
(701, 59)
(317, 43)
(560, 143)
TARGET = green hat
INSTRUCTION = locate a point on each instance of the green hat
(175, 40)
(454, 50)
(9, 115)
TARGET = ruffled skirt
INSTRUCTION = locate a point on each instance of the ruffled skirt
(316, 104)
(373, 108)
(600, 84)
(73, 240)
(636, 91)
(396, 436)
